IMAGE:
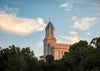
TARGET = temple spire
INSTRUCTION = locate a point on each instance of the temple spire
(49, 19)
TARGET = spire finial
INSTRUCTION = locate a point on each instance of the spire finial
(49, 19)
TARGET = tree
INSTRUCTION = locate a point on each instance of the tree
(95, 42)
(49, 58)
(15, 59)
(93, 59)
(11, 59)
(78, 54)
(81, 57)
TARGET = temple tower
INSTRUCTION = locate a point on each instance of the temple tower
(50, 45)
(49, 38)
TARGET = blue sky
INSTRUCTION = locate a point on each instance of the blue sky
(22, 22)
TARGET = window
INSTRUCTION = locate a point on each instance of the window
(59, 54)
(62, 53)
(51, 32)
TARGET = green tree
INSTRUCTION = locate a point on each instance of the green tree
(15, 59)
(81, 57)
(49, 58)
(93, 59)
(95, 42)
(11, 59)
(78, 54)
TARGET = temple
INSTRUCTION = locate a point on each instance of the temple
(50, 45)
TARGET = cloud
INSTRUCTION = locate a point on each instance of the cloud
(40, 44)
(71, 39)
(59, 41)
(10, 23)
(67, 9)
(74, 18)
(73, 3)
(12, 11)
(97, 2)
(14, 2)
(88, 33)
(77, 9)
(64, 5)
(84, 24)
(21, 26)
(67, 5)
(72, 32)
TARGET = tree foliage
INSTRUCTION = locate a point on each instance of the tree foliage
(82, 56)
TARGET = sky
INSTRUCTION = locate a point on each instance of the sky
(23, 22)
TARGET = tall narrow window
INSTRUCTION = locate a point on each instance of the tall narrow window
(62, 53)
(59, 54)
(51, 32)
